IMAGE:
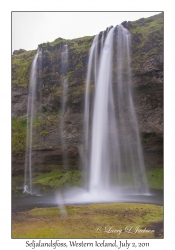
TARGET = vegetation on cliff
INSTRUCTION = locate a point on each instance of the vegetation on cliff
(147, 49)
(147, 65)
(18, 134)
(147, 42)
(21, 64)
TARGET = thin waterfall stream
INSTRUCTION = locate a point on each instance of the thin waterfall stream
(31, 112)
(64, 67)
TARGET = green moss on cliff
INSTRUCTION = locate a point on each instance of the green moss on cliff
(18, 134)
(151, 138)
(41, 128)
(54, 72)
(155, 178)
(21, 64)
(45, 121)
(147, 40)
(56, 179)
(17, 185)
(49, 181)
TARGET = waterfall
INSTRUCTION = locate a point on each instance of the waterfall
(92, 64)
(93, 51)
(31, 110)
(114, 160)
(102, 40)
(113, 138)
(99, 151)
(64, 69)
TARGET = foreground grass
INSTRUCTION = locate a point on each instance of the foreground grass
(116, 220)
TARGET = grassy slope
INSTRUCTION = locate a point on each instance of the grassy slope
(90, 221)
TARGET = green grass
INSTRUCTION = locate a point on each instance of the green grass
(89, 221)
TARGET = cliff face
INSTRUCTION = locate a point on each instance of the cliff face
(147, 50)
(147, 71)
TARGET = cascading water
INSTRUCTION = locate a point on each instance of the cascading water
(64, 67)
(115, 143)
(102, 40)
(129, 145)
(93, 50)
(30, 115)
(99, 146)
(114, 159)
(89, 80)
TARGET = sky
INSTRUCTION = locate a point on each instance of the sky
(29, 29)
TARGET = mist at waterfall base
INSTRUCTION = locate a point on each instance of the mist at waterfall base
(112, 146)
